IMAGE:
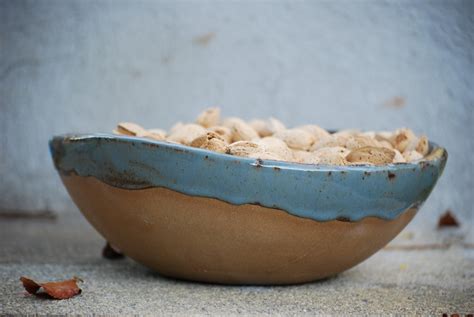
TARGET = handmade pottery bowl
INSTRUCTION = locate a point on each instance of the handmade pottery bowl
(198, 215)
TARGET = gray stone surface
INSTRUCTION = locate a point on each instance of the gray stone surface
(82, 66)
(437, 279)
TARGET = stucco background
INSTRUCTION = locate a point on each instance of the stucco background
(82, 66)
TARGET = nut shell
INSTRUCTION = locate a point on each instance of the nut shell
(209, 117)
(370, 154)
(186, 133)
(332, 155)
(296, 139)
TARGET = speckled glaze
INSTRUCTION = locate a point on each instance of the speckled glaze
(203, 216)
(321, 193)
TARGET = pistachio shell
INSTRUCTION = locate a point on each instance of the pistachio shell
(156, 134)
(276, 146)
(274, 125)
(331, 141)
(264, 155)
(224, 132)
(157, 131)
(359, 141)
(244, 148)
(437, 153)
(411, 145)
(423, 146)
(202, 139)
(402, 139)
(318, 132)
(216, 145)
(252, 150)
(230, 121)
(346, 132)
(210, 141)
(374, 155)
(386, 144)
(176, 127)
(172, 142)
(296, 139)
(241, 131)
(398, 158)
(332, 155)
(369, 134)
(360, 163)
(267, 127)
(259, 126)
(411, 156)
(383, 136)
(130, 128)
(305, 157)
(186, 133)
(209, 117)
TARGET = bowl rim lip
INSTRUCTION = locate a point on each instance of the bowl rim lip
(439, 158)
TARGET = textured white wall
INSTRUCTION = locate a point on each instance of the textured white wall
(82, 66)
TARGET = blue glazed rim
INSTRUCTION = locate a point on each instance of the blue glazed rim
(318, 192)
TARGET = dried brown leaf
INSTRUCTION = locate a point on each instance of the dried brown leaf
(57, 290)
(448, 220)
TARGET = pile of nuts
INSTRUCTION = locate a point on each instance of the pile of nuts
(271, 140)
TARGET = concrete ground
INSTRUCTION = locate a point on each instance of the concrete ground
(428, 273)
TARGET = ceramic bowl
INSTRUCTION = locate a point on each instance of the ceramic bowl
(194, 214)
